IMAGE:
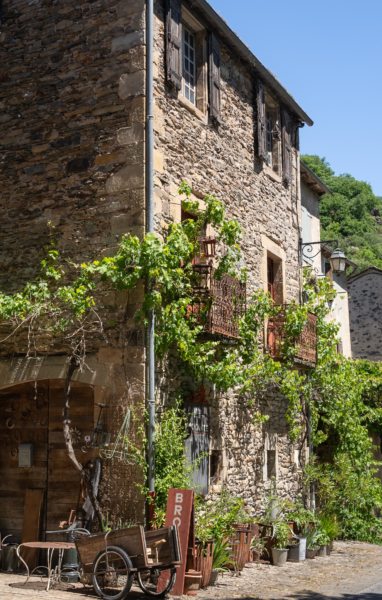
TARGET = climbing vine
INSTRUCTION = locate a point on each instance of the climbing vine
(341, 397)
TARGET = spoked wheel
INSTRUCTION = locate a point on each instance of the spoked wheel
(148, 580)
(112, 574)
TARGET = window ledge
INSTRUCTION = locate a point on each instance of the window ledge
(193, 109)
(272, 174)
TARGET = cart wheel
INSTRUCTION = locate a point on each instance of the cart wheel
(112, 576)
(148, 580)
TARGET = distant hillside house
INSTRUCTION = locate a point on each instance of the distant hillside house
(317, 257)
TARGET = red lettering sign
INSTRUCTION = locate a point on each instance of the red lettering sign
(180, 512)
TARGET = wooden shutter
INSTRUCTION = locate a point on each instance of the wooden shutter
(174, 43)
(286, 122)
(214, 77)
(261, 125)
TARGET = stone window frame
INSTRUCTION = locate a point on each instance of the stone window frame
(276, 135)
(270, 449)
(207, 105)
(272, 251)
(200, 106)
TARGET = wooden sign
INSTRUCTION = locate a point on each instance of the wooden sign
(180, 512)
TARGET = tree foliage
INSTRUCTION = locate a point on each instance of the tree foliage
(352, 213)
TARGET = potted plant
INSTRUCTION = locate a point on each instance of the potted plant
(329, 524)
(220, 558)
(281, 537)
(321, 540)
(304, 521)
(311, 545)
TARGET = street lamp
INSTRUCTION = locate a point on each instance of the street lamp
(337, 258)
(338, 261)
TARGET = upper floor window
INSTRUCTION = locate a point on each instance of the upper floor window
(274, 134)
(193, 60)
(273, 137)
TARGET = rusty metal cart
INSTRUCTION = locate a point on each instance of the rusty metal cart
(112, 561)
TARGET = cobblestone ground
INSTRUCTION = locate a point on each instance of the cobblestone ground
(351, 570)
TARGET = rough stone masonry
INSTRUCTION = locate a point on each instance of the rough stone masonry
(72, 154)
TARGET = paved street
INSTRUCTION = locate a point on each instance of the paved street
(353, 571)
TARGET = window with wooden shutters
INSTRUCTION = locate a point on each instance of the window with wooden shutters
(276, 134)
(193, 61)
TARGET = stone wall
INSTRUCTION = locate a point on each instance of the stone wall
(222, 160)
(365, 305)
(72, 154)
(72, 129)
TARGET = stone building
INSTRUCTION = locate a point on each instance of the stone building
(317, 256)
(366, 314)
(74, 153)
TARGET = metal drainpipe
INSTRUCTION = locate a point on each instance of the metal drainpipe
(150, 383)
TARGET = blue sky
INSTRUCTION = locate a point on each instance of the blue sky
(328, 55)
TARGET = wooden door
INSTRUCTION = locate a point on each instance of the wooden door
(24, 416)
(32, 414)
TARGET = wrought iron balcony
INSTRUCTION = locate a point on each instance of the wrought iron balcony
(305, 343)
(218, 303)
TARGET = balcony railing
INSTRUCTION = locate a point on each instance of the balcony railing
(305, 343)
(218, 303)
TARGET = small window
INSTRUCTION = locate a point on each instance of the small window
(271, 464)
(275, 279)
(215, 466)
(273, 137)
(275, 128)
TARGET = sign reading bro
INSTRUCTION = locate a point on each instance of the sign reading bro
(180, 505)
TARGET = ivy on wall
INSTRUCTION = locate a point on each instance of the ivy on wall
(341, 396)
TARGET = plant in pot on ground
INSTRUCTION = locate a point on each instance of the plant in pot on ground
(281, 539)
(220, 559)
(304, 521)
(329, 525)
(311, 544)
(216, 520)
(321, 540)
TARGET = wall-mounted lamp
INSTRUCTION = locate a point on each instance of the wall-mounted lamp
(337, 258)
